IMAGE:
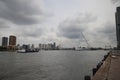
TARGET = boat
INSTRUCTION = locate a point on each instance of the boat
(81, 49)
(27, 50)
(21, 51)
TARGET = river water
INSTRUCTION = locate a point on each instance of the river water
(49, 65)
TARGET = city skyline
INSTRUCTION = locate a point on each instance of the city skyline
(60, 21)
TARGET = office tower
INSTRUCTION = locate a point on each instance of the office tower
(40, 46)
(26, 46)
(32, 46)
(118, 26)
(4, 41)
(12, 42)
(54, 45)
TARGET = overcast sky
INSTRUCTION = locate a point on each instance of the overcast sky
(60, 21)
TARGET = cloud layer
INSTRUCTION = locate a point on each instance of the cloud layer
(116, 1)
(72, 28)
(21, 12)
(31, 21)
(85, 26)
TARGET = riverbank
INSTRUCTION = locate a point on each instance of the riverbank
(109, 70)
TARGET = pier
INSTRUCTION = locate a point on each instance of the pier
(110, 68)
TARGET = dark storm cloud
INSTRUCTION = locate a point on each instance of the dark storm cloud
(116, 1)
(21, 12)
(72, 28)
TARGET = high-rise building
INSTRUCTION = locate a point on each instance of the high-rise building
(118, 26)
(54, 45)
(4, 41)
(26, 46)
(32, 46)
(12, 42)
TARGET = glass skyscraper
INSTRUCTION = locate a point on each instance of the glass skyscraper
(118, 26)
(4, 41)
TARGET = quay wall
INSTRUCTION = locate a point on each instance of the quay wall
(101, 70)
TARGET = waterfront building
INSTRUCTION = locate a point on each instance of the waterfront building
(18, 47)
(45, 46)
(54, 45)
(12, 42)
(25, 46)
(118, 26)
(40, 46)
(32, 46)
(49, 46)
(4, 42)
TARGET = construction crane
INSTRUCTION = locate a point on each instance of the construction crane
(85, 40)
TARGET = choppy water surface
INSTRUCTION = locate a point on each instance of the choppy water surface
(48, 65)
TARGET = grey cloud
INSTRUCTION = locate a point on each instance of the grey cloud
(72, 28)
(115, 1)
(107, 28)
(33, 32)
(3, 25)
(21, 12)
(108, 31)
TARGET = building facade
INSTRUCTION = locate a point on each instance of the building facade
(118, 26)
(49, 46)
(4, 42)
(12, 42)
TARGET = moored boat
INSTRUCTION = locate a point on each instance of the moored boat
(27, 50)
(21, 51)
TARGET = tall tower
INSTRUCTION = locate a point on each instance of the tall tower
(118, 26)
(54, 45)
(12, 42)
(4, 42)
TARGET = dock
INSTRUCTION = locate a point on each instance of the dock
(110, 68)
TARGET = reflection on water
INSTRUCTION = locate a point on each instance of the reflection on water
(48, 65)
